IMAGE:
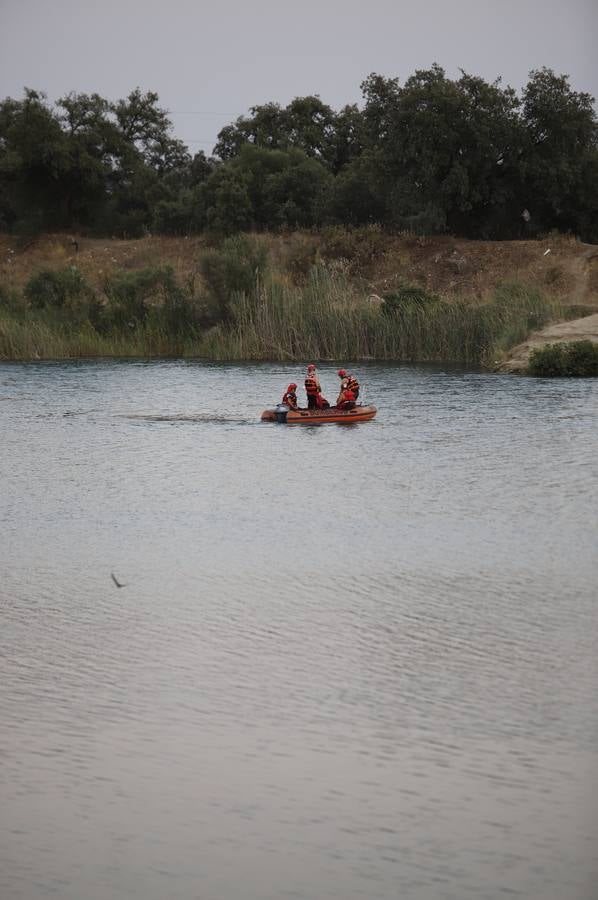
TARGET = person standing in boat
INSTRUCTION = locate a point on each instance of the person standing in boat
(290, 397)
(312, 386)
(348, 383)
(313, 390)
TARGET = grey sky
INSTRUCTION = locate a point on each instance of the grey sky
(210, 61)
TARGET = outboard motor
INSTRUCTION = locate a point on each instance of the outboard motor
(281, 413)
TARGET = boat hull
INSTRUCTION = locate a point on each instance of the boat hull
(322, 416)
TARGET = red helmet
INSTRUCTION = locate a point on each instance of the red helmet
(342, 373)
(292, 387)
(311, 367)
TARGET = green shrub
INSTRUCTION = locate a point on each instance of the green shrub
(182, 315)
(151, 300)
(578, 311)
(573, 359)
(132, 294)
(57, 288)
(235, 268)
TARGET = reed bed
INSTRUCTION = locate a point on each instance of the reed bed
(327, 319)
(28, 338)
(328, 316)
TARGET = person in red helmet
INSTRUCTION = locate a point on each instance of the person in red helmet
(348, 383)
(289, 398)
(313, 390)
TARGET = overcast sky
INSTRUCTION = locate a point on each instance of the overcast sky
(210, 61)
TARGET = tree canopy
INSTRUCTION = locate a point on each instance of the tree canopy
(434, 154)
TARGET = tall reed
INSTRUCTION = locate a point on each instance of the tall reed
(30, 337)
(327, 319)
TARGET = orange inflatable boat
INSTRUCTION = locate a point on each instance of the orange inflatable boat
(283, 414)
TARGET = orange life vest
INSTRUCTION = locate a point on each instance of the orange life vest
(312, 386)
(290, 399)
(352, 384)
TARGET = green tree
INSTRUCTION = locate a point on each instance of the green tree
(150, 156)
(34, 160)
(296, 195)
(225, 206)
(309, 126)
(445, 153)
(307, 123)
(94, 149)
(348, 138)
(145, 127)
(260, 189)
(264, 127)
(356, 197)
(560, 154)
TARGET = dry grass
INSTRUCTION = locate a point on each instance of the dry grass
(448, 266)
(96, 259)
(473, 269)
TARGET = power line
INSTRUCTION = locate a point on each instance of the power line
(194, 112)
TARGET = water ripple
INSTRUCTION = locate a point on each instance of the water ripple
(345, 664)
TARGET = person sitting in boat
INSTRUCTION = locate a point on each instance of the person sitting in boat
(290, 397)
(346, 399)
(348, 382)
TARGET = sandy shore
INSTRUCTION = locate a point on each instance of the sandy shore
(584, 329)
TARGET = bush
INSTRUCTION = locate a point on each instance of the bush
(57, 289)
(361, 246)
(132, 294)
(300, 256)
(151, 299)
(235, 268)
(574, 359)
(578, 311)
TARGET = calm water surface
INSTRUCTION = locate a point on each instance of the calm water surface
(348, 662)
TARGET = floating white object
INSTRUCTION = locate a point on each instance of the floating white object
(546, 252)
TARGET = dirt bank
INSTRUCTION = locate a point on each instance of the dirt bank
(558, 266)
(584, 329)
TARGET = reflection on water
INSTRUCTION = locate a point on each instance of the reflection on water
(347, 663)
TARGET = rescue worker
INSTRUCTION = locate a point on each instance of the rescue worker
(348, 382)
(313, 389)
(346, 399)
(290, 397)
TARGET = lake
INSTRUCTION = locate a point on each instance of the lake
(348, 661)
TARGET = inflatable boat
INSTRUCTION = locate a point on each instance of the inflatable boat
(284, 415)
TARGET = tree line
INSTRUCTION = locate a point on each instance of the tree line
(433, 155)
